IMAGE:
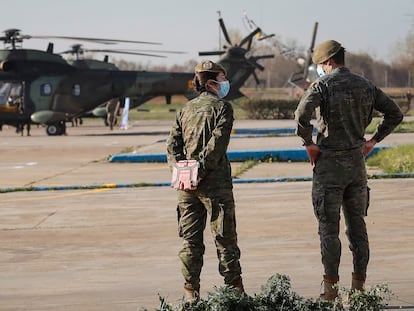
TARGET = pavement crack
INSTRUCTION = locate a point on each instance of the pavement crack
(44, 219)
(32, 183)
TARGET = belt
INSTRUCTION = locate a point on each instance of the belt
(341, 151)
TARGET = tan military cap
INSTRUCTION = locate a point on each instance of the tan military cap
(325, 51)
(208, 65)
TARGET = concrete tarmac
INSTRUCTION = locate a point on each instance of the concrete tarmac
(116, 248)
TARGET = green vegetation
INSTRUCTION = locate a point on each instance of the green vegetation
(373, 299)
(154, 111)
(244, 167)
(262, 109)
(403, 127)
(277, 294)
(158, 110)
(269, 103)
(394, 160)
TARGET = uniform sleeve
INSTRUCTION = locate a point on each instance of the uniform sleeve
(303, 114)
(216, 147)
(392, 115)
(175, 143)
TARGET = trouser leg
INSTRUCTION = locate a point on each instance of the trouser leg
(192, 221)
(354, 208)
(223, 228)
(327, 199)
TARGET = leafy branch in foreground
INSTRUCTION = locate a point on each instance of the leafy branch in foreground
(373, 299)
(277, 294)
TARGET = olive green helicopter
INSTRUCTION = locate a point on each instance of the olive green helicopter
(42, 87)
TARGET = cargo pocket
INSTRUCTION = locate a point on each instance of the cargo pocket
(180, 228)
(220, 220)
(368, 199)
(318, 201)
(217, 219)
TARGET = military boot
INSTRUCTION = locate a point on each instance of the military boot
(358, 282)
(238, 285)
(330, 292)
(191, 294)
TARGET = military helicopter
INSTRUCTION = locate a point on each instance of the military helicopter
(238, 59)
(42, 87)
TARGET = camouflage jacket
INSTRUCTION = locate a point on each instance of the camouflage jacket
(346, 102)
(202, 132)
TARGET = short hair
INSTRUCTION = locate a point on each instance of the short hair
(201, 78)
(339, 57)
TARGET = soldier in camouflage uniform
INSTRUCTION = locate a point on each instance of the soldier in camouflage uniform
(202, 132)
(346, 102)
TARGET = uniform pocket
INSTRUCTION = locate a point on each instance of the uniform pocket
(220, 220)
(318, 201)
(180, 228)
(368, 199)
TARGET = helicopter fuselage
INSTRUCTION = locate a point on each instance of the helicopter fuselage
(51, 92)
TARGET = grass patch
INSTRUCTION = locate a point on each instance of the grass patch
(244, 167)
(128, 149)
(403, 127)
(394, 160)
(157, 109)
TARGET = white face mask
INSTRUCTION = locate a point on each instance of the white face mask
(224, 88)
(320, 71)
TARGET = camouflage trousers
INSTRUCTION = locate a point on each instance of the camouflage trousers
(193, 209)
(339, 179)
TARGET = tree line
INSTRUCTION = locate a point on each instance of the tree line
(397, 74)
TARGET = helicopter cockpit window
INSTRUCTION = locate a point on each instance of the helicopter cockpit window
(11, 94)
(46, 89)
(76, 90)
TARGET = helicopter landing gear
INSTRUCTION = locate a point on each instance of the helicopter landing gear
(56, 129)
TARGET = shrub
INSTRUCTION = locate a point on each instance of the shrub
(373, 299)
(277, 294)
(269, 108)
(394, 160)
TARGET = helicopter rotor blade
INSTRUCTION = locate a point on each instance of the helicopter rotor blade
(263, 56)
(81, 51)
(151, 51)
(89, 39)
(223, 28)
(211, 53)
(310, 51)
(258, 66)
(256, 78)
(266, 37)
(78, 49)
(250, 36)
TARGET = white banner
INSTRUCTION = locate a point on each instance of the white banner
(124, 122)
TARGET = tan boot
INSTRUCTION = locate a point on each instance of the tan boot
(358, 282)
(330, 292)
(191, 294)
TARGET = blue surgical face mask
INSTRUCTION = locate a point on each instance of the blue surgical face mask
(320, 71)
(224, 88)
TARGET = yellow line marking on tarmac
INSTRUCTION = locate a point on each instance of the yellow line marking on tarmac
(50, 197)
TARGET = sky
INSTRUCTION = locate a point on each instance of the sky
(369, 26)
